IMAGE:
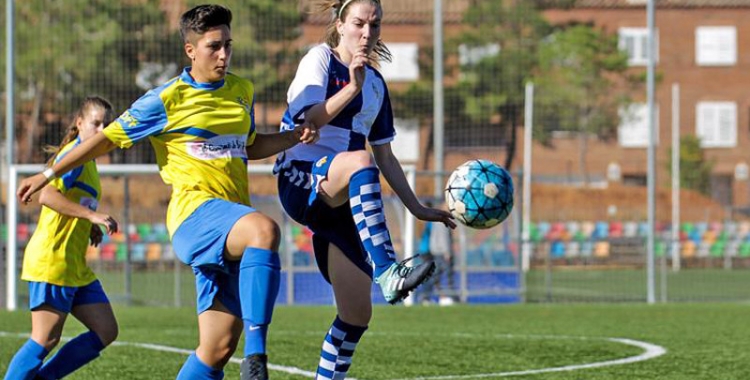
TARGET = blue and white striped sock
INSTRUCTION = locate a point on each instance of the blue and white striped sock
(338, 349)
(367, 209)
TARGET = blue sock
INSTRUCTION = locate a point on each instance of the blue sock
(73, 355)
(195, 369)
(26, 362)
(260, 273)
(367, 209)
(338, 349)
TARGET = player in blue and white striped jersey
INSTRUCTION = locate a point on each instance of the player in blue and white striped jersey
(333, 186)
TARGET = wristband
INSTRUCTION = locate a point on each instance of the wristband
(49, 174)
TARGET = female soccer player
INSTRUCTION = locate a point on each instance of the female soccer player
(54, 263)
(202, 128)
(333, 186)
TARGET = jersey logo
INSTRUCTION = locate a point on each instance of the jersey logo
(321, 162)
(244, 103)
(128, 119)
(225, 146)
(340, 82)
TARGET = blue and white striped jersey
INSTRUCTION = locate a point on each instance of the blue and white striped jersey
(367, 118)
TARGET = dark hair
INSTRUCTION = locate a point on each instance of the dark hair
(204, 17)
(72, 130)
(332, 37)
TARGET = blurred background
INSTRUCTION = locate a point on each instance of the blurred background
(589, 133)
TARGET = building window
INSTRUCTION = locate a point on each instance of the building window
(404, 65)
(633, 131)
(716, 124)
(716, 45)
(634, 41)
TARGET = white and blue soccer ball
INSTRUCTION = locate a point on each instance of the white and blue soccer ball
(479, 194)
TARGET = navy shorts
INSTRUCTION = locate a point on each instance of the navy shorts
(298, 190)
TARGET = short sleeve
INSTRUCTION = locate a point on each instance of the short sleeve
(310, 83)
(146, 117)
(383, 130)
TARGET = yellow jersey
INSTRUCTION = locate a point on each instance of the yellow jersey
(56, 252)
(199, 132)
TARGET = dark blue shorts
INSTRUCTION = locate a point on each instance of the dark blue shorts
(199, 242)
(64, 298)
(298, 191)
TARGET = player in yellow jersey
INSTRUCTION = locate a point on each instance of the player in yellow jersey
(54, 263)
(201, 125)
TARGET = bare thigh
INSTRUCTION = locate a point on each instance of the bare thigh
(351, 288)
(99, 318)
(47, 325)
(335, 188)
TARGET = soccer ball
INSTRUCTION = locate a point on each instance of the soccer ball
(479, 194)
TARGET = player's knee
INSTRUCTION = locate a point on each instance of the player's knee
(48, 342)
(361, 159)
(266, 234)
(108, 334)
(217, 356)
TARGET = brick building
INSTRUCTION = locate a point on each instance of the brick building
(701, 45)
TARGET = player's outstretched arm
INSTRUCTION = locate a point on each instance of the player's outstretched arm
(51, 197)
(394, 174)
(267, 145)
(88, 150)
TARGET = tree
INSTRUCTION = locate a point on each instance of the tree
(695, 169)
(499, 52)
(264, 46)
(578, 67)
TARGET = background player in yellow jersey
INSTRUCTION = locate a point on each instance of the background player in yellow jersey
(201, 125)
(54, 264)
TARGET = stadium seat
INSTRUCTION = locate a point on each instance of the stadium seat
(630, 229)
(615, 229)
(153, 251)
(717, 248)
(122, 252)
(704, 249)
(144, 231)
(688, 249)
(743, 230)
(572, 249)
(557, 249)
(601, 249)
(138, 252)
(543, 228)
(108, 252)
(22, 232)
(733, 248)
(601, 230)
(587, 249)
(660, 248)
(587, 228)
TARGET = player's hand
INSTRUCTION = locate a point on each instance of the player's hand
(107, 221)
(307, 133)
(96, 235)
(436, 215)
(29, 186)
(357, 72)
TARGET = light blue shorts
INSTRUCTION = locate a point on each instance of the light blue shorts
(200, 241)
(64, 298)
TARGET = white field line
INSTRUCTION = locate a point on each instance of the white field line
(650, 351)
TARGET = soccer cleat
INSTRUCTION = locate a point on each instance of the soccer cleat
(254, 367)
(398, 280)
